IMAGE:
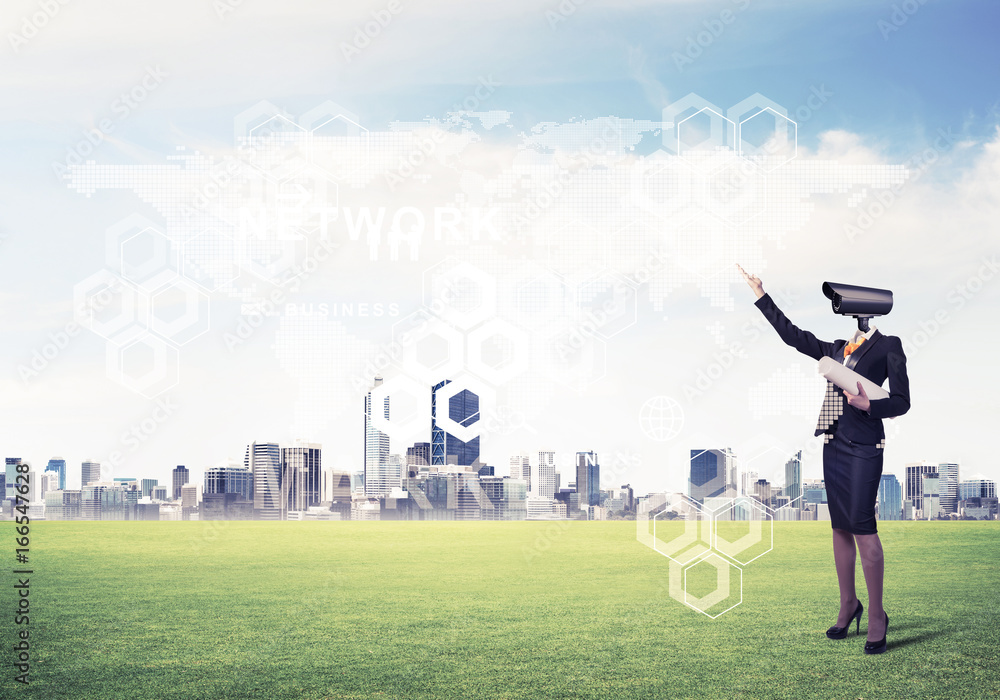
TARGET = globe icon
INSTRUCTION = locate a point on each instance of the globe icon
(661, 418)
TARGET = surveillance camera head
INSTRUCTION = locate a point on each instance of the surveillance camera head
(860, 302)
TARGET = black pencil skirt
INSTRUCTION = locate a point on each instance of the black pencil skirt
(851, 472)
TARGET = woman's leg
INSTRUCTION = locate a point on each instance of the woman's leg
(873, 565)
(844, 556)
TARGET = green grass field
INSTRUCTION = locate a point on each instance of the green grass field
(485, 610)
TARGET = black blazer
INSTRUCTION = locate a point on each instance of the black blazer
(878, 358)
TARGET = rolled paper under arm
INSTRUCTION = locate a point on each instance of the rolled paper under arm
(848, 379)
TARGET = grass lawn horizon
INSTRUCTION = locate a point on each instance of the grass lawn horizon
(486, 610)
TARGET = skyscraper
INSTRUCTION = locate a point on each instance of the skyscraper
(588, 479)
(793, 480)
(545, 485)
(948, 474)
(181, 476)
(90, 472)
(914, 488)
(890, 498)
(931, 500)
(58, 465)
(263, 461)
(463, 408)
(712, 474)
(376, 448)
(301, 475)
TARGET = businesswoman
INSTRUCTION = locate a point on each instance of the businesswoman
(852, 457)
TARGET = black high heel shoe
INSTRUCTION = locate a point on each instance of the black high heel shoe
(841, 632)
(879, 646)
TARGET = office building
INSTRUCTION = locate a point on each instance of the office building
(263, 461)
(463, 408)
(793, 480)
(977, 488)
(90, 472)
(181, 476)
(931, 495)
(147, 486)
(58, 465)
(520, 468)
(62, 504)
(588, 479)
(713, 474)
(890, 498)
(226, 479)
(377, 481)
(948, 475)
(545, 484)
(417, 457)
(302, 475)
(913, 488)
(10, 476)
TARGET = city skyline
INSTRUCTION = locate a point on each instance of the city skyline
(585, 299)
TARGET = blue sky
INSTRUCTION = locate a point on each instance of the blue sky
(890, 93)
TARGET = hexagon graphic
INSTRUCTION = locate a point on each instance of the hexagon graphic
(406, 427)
(180, 312)
(487, 400)
(211, 259)
(682, 530)
(514, 351)
(110, 307)
(724, 596)
(707, 131)
(744, 530)
(677, 112)
(147, 365)
(338, 144)
(148, 259)
(430, 348)
(278, 148)
(121, 231)
(765, 134)
(461, 294)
